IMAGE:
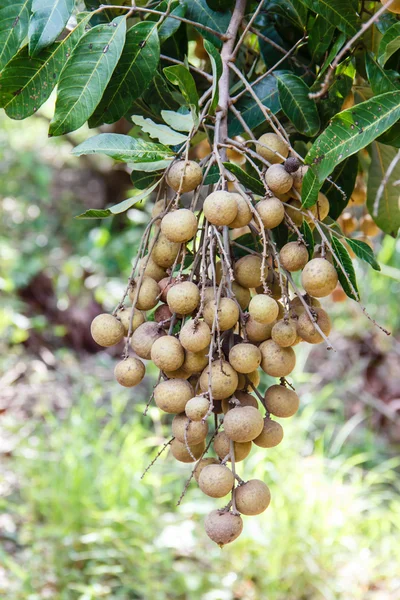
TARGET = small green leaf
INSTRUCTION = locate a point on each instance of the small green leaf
(389, 44)
(336, 47)
(170, 26)
(142, 180)
(364, 252)
(181, 76)
(216, 65)
(346, 262)
(14, 23)
(163, 133)
(344, 175)
(320, 38)
(251, 242)
(245, 179)
(381, 80)
(340, 13)
(308, 236)
(391, 137)
(297, 106)
(213, 176)
(150, 167)
(292, 10)
(124, 148)
(178, 121)
(310, 189)
(47, 22)
(387, 215)
(120, 207)
(199, 12)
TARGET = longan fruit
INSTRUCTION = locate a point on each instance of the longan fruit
(196, 431)
(197, 408)
(339, 295)
(359, 195)
(180, 452)
(145, 297)
(195, 362)
(172, 395)
(274, 285)
(368, 226)
(293, 256)
(183, 298)
(204, 462)
(269, 144)
(284, 333)
(306, 329)
(228, 313)
(348, 223)
(278, 179)
(179, 226)
(271, 435)
(245, 358)
(164, 251)
(241, 294)
(253, 497)
(129, 372)
(319, 277)
(281, 401)
(221, 208)
(320, 210)
(162, 314)
(144, 337)
(107, 330)
(271, 211)
(151, 269)
(195, 336)
(253, 377)
(157, 209)
(297, 305)
(216, 481)
(291, 209)
(243, 424)
(224, 380)
(124, 315)
(222, 447)
(258, 332)
(203, 148)
(233, 155)
(244, 398)
(277, 361)
(298, 177)
(223, 527)
(165, 285)
(263, 309)
(244, 214)
(184, 176)
(178, 374)
(348, 101)
(394, 7)
(247, 271)
(167, 353)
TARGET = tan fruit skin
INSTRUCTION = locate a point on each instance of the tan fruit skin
(247, 271)
(165, 252)
(204, 462)
(258, 332)
(151, 269)
(167, 353)
(183, 298)
(273, 143)
(146, 297)
(284, 333)
(281, 401)
(244, 214)
(245, 358)
(293, 256)
(394, 8)
(221, 208)
(223, 382)
(277, 361)
(223, 527)
(278, 179)
(319, 278)
(195, 362)
(216, 481)
(253, 497)
(179, 451)
(271, 211)
(271, 435)
(196, 431)
(263, 309)
(125, 316)
(195, 337)
(197, 408)
(253, 377)
(228, 313)
(244, 398)
(179, 226)
(144, 337)
(222, 447)
(129, 372)
(107, 330)
(190, 175)
(241, 294)
(172, 396)
(306, 329)
(243, 424)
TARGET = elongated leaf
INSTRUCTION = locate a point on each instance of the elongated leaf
(293, 10)
(340, 13)
(14, 23)
(245, 179)
(364, 252)
(26, 83)
(344, 175)
(181, 76)
(170, 26)
(163, 133)
(310, 189)
(320, 38)
(387, 217)
(336, 46)
(309, 238)
(389, 43)
(150, 167)
(86, 75)
(142, 180)
(346, 262)
(47, 22)
(199, 12)
(105, 16)
(297, 106)
(381, 80)
(270, 54)
(391, 137)
(133, 74)
(179, 121)
(249, 241)
(216, 65)
(351, 130)
(124, 148)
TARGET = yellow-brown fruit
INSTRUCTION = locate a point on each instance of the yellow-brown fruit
(348, 101)
(172, 396)
(244, 214)
(359, 195)
(297, 305)
(165, 285)
(271, 211)
(320, 210)
(144, 297)
(234, 155)
(241, 294)
(271, 435)
(129, 372)
(144, 338)
(253, 377)
(281, 401)
(258, 332)
(195, 336)
(220, 208)
(284, 333)
(151, 269)
(319, 277)
(223, 527)
(263, 309)
(224, 380)
(306, 329)
(202, 149)
(196, 431)
(107, 330)
(278, 179)
(245, 358)
(183, 298)
(252, 498)
(298, 177)
(274, 285)
(228, 313)
(178, 374)
(338, 294)
(244, 398)
(184, 176)
(247, 271)
(167, 353)
(200, 51)
(277, 361)
(164, 252)
(222, 447)
(162, 314)
(197, 408)
(216, 481)
(394, 7)
(124, 315)
(368, 227)
(270, 146)
(243, 424)
(179, 226)
(157, 209)
(348, 223)
(292, 210)
(293, 256)
(180, 452)
(195, 362)
(204, 462)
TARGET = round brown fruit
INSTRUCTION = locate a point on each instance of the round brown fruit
(243, 424)
(263, 309)
(107, 330)
(162, 314)
(284, 333)
(165, 285)
(292, 209)
(271, 211)
(164, 252)
(245, 358)
(195, 336)
(151, 269)
(129, 372)
(359, 195)
(348, 223)
(319, 277)
(253, 377)
(223, 527)
(247, 271)
(306, 329)
(172, 396)
(196, 431)
(258, 332)
(281, 401)
(369, 227)
(224, 380)
(222, 447)
(178, 374)
(270, 146)
(271, 434)
(244, 214)
(197, 408)
(228, 313)
(293, 256)
(241, 294)
(320, 210)
(180, 451)
(252, 498)
(124, 315)
(195, 362)
(179, 226)
(216, 481)
(394, 7)
(278, 179)
(277, 361)
(183, 298)
(145, 294)
(221, 208)
(184, 176)
(167, 353)
(144, 338)
(204, 462)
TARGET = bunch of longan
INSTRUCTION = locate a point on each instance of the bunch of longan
(211, 325)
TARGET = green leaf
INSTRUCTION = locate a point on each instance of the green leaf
(150, 167)
(142, 180)
(391, 137)
(248, 240)
(389, 44)
(179, 121)
(245, 179)
(163, 133)
(346, 262)
(181, 76)
(213, 176)
(336, 46)
(294, 11)
(216, 65)
(297, 106)
(86, 75)
(387, 216)
(47, 22)
(309, 238)
(381, 80)
(220, 5)
(133, 74)
(14, 23)
(364, 252)
(320, 38)
(26, 83)
(351, 130)
(199, 12)
(124, 148)
(340, 13)
(170, 26)
(344, 175)
(310, 189)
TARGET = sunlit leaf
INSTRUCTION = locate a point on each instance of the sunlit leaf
(124, 148)
(163, 133)
(297, 106)
(364, 252)
(344, 259)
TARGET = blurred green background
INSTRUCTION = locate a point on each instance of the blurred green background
(76, 520)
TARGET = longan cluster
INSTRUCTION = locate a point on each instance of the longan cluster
(212, 323)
